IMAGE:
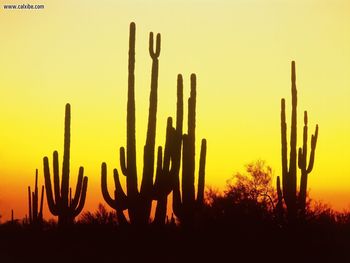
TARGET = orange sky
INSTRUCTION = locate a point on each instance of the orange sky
(76, 52)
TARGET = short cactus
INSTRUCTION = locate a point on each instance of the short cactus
(35, 212)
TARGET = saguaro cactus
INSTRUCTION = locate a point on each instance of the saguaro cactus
(168, 169)
(59, 203)
(302, 163)
(185, 208)
(289, 174)
(35, 212)
(137, 202)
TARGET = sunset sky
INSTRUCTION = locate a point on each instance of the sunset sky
(241, 50)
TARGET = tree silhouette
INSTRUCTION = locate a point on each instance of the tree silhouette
(248, 200)
(100, 217)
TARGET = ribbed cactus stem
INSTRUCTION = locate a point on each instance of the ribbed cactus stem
(30, 205)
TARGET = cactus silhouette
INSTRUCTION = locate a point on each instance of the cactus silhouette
(168, 171)
(163, 181)
(302, 163)
(35, 212)
(289, 174)
(186, 206)
(61, 203)
(137, 202)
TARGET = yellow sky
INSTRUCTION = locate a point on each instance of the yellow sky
(76, 52)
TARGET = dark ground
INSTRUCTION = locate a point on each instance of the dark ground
(220, 242)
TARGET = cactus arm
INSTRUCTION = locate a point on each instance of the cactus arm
(154, 54)
(121, 199)
(313, 148)
(35, 197)
(82, 198)
(41, 203)
(30, 205)
(66, 158)
(34, 207)
(78, 188)
(305, 134)
(56, 177)
(284, 146)
(36, 183)
(300, 158)
(106, 196)
(122, 161)
(201, 174)
(50, 202)
(302, 155)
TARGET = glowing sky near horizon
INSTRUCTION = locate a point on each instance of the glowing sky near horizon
(76, 52)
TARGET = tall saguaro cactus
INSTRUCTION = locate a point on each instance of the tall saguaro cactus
(186, 206)
(35, 212)
(137, 202)
(289, 174)
(59, 203)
